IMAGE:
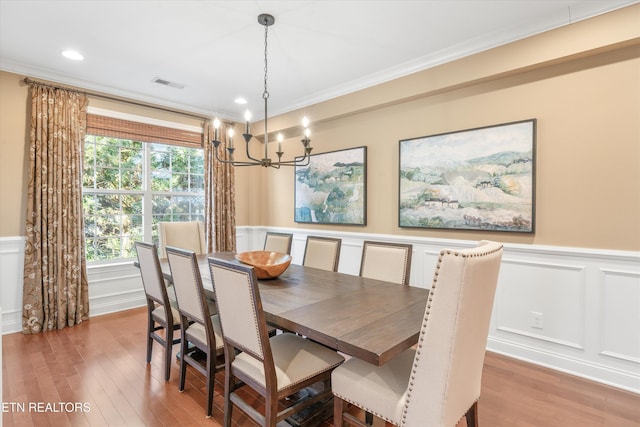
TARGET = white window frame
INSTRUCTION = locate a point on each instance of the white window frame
(146, 192)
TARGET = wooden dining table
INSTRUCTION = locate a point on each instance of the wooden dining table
(369, 319)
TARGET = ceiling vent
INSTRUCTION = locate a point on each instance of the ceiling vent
(167, 83)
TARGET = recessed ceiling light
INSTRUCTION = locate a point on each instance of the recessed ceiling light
(240, 100)
(72, 54)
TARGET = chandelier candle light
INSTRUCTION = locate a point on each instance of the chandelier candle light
(266, 20)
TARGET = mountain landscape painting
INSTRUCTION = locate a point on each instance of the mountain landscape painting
(477, 179)
(332, 188)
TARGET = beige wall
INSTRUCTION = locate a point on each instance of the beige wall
(582, 84)
(14, 154)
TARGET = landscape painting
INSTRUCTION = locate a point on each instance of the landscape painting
(477, 179)
(332, 188)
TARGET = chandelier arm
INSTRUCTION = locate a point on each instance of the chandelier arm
(242, 164)
(306, 156)
(231, 162)
(218, 157)
(292, 163)
(249, 156)
(298, 161)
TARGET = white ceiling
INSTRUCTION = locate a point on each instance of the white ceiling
(317, 49)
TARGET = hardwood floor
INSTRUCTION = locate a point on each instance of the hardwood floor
(95, 374)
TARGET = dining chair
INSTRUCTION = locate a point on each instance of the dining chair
(390, 262)
(437, 383)
(161, 315)
(188, 235)
(198, 327)
(278, 242)
(322, 253)
(274, 367)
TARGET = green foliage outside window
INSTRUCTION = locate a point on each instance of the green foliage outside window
(115, 191)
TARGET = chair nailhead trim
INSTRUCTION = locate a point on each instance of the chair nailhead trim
(253, 309)
(428, 311)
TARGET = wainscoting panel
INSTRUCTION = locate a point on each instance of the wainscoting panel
(620, 303)
(425, 268)
(544, 301)
(242, 240)
(570, 309)
(350, 256)
(11, 273)
(114, 287)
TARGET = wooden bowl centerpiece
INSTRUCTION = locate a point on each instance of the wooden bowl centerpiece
(267, 264)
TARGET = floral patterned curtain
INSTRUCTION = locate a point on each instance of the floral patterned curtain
(220, 198)
(55, 293)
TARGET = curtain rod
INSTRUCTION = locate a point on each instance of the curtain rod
(30, 82)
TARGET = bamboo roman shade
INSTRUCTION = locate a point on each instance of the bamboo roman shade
(144, 132)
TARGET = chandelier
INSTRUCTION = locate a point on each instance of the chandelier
(266, 20)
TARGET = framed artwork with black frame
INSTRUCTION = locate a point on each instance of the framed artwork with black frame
(332, 188)
(475, 179)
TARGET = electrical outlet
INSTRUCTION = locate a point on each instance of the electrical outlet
(537, 320)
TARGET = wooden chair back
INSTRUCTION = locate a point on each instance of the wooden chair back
(151, 273)
(240, 309)
(160, 313)
(187, 235)
(390, 262)
(196, 323)
(278, 242)
(187, 282)
(322, 253)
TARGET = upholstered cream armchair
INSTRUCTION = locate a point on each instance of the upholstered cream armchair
(438, 383)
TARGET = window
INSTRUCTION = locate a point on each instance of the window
(129, 186)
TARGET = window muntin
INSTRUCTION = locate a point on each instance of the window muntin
(129, 186)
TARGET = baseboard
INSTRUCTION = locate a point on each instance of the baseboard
(105, 304)
(113, 303)
(11, 321)
(625, 380)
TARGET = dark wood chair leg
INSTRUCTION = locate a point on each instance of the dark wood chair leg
(183, 365)
(271, 410)
(368, 418)
(211, 372)
(472, 415)
(228, 388)
(338, 408)
(149, 335)
(168, 345)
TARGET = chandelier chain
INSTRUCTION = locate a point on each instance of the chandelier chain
(265, 94)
